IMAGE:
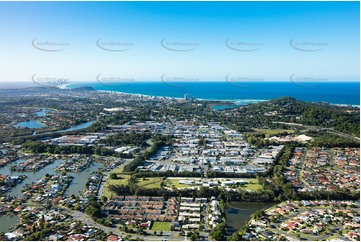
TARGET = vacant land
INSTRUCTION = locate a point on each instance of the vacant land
(252, 185)
(155, 182)
(274, 131)
(175, 183)
(122, 180)
(149, 182)
(120, 168)
(161, 226)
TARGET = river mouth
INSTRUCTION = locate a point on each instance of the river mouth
(238, 214)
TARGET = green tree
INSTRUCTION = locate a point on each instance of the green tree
(113, 176)
(219, 232)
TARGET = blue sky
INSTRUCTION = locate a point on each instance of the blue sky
(266, 40)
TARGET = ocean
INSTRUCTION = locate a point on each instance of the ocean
(345, 93)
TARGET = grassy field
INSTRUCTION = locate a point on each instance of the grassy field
(155, 182)
(149, 182)
(161, 226)
(118, 170)
(122, 180)
(252, 185)
(274, 131)
(174, 182)
(107, 193)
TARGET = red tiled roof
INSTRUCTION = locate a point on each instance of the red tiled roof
(112, 238)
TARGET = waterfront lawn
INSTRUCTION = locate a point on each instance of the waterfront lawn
(161, 226)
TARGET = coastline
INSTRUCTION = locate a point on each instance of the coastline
(237, 102)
